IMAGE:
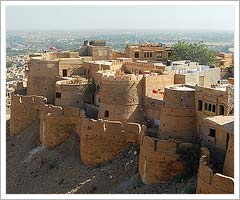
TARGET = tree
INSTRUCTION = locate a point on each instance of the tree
(196, 52)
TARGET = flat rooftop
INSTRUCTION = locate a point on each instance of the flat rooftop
(181, 88)
(226, 122)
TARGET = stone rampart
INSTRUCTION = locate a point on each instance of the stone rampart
(121, 98)
(58, 123)
(102, 140)
(71, 93)
(210, 182)
(178, 115)
(24, 111)
(159, 161)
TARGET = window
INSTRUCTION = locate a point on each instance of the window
(209, 107)
(150, 54)
(199, 104)
(58, 95)
(221, 110)
(205, 106)
(64, 72)
(159, 55)
(145, 54)
(106, 114)
(213, 108)
(136, 55)
(212, 132)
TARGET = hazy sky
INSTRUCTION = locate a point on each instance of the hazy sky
(119, 17)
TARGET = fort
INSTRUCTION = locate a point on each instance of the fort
(110, 104)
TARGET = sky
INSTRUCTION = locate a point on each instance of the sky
(157, 17)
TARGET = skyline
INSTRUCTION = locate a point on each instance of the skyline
(160, 17)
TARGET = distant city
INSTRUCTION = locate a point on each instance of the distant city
(23, 43)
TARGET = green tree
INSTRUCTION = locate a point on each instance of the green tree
(196, 52)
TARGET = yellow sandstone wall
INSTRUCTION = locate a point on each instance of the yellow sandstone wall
(228, 168)
(122, 97)
(102, 140)
(158, 160)
(58, 123)
(212, 183)
(42, 78)
(72, 92)
(24, 111)
(177, 117)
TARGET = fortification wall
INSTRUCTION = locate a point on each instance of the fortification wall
(62, 54)
(158, 160)
(71, 93)
(212, 183)
(121, 98)
(228, 168)
(58, 123)
(102, 140)
(178, 115)
(24, 111)
(42, 78)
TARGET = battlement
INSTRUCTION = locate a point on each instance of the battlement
(51, 110)
(102, 140)
(72, 82)
(210, 182)
(157, 145)
(33, 99)
(159, 160)
(24, 111)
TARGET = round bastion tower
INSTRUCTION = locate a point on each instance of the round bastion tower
(71, 92)
(178, 115)
(121, 97)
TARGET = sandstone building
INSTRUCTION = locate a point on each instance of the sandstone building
(112, 103)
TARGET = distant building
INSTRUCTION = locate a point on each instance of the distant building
(225, 60)
(148, 51)
(97, 49)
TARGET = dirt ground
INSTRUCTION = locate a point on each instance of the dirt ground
(33, 169)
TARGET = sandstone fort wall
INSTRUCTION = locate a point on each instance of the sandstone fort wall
(102, 140)
(71, 93)
(121, 97)
(212, 183)
(178, 115)
(24, 111)
(42, 78)
(158, 160)
(58, 123)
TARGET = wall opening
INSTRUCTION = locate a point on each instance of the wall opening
(64, 72)
(213, 108)
(58, 95)
(136, 55)
(212, 132)
(221, 110)
(205, 106)
(200, 105)
(210, 107)
(106, 114)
